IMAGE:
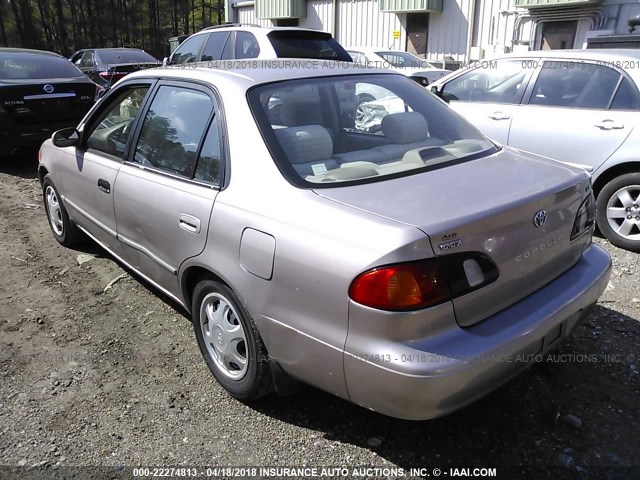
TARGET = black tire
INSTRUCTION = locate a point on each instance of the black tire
(256, 381)
(64, 230)
(608, 197)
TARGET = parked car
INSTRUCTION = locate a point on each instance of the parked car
(40, 92)
(105, 66)
(577, 106)
(242, 41)
(410, 272)
(412, 66)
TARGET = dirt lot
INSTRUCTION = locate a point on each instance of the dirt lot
(115, 378)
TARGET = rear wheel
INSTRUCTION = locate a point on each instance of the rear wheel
(229, 341)
(64, 230)
(618, 212)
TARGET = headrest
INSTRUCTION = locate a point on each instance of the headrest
(308, 143)
(406, 127)
(300, 112)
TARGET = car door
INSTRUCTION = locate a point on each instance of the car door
(576, 112)
(166, 189)
(90, 172)
(488, 95)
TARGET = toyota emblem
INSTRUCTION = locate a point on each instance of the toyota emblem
(48, 88)
(540, 218)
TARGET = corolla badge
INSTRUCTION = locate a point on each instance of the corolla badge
(540, 218)
(48, 88)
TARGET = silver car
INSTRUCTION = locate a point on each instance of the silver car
(579, 106)
(410, 271)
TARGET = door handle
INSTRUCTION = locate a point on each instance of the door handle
(104, 186)
(609, 124)
(189, 223)
(499, 116)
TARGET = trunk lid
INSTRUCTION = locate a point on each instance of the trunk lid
(43, 101)
(488, 205)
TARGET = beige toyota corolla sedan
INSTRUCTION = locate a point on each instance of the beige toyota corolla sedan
(411, 270)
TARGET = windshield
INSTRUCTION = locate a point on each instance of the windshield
(307, 44)
(124, 56)
(404, 60)
(360, 128)
(25, 66)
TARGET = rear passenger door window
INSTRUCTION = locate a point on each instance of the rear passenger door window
(189, 50)
(627, 97)
(575, 84)
(172, 130)
(210, 167)
(214, 46)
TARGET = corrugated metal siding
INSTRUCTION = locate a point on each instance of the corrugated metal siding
(280, 8)
(495, 29)
(362, 24)
(319, 15)
(627, 10)
(551, 3)
(248, 15)
(448, 30)
(410, 5)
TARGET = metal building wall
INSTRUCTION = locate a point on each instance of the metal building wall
(361, 23)
(448, 30)
(319, 15)
(247, 14)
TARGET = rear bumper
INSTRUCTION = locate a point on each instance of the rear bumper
(451, 367)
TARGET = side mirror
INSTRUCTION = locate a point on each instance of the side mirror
(165, 61)
(67, 137)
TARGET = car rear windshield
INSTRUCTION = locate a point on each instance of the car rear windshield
(305, 44)
(360, 128)
(124, 56)
(33, 66)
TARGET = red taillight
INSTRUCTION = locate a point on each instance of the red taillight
(112, 76)
(401, 287)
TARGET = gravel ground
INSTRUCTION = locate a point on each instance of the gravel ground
(113, 377)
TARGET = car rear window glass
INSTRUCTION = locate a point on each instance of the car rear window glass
(306, 44)
(333, 131)
(172, 130)
(23, 66)
(124, 56)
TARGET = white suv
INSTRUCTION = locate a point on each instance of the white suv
(243, 41)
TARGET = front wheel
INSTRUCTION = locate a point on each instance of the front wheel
(618, 211)
(64, 230)
(229, 341)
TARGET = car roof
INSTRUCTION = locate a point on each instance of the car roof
(255, 28)
(29, 51)
(605, 53)
(260, 71)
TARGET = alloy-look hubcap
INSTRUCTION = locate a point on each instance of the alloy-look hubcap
(224, 336)
(55, 213)
(623, 212)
